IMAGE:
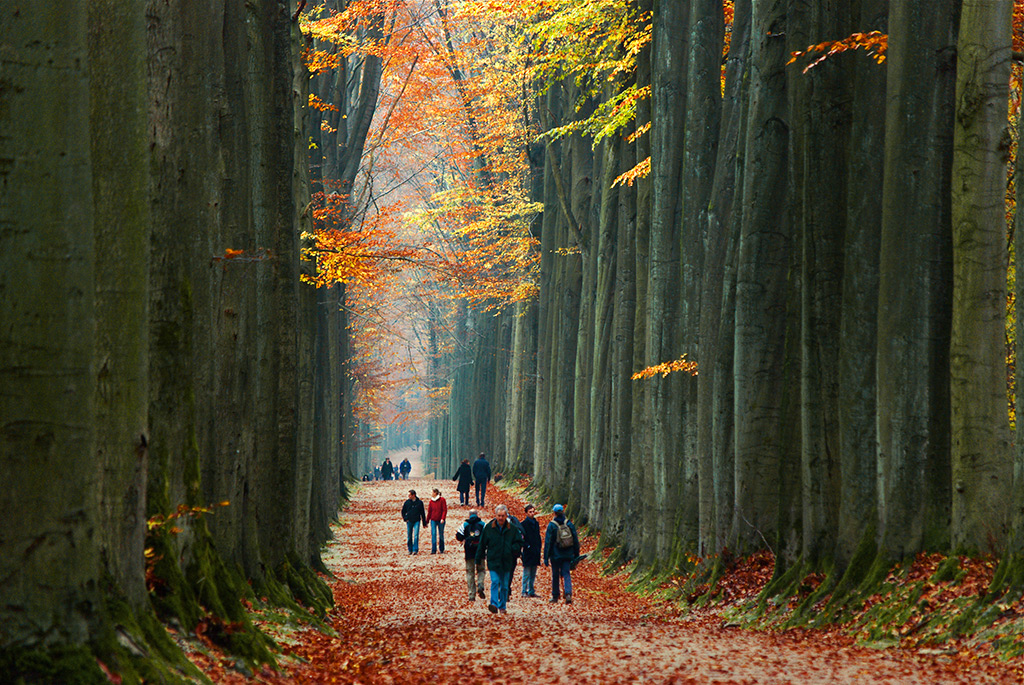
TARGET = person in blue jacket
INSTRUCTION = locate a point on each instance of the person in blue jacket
(481, 474)
(561, 546)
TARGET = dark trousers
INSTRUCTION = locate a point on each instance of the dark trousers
(481, 492)
(463, 497)
(560, 569)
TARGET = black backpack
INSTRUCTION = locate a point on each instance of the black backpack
(473, 534)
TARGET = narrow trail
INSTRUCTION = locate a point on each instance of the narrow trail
(405, 619)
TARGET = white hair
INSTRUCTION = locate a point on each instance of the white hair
(500, 507)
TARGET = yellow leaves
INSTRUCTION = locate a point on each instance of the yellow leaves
(874, 43)
(666, 368)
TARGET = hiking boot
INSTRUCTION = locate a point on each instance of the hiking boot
(480, 593)
(491, 608)
(553, 600)
(568, 599)
(502, 611)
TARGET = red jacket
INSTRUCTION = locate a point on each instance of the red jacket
(437, 510)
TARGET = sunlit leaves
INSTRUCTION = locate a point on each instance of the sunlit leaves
(665, 368)
(874, 43)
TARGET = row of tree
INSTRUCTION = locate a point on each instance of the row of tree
(159, 353)
(830, 247)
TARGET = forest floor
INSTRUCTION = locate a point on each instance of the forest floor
(403, 618)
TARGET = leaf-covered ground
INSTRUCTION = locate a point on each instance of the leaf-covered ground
(406, 619)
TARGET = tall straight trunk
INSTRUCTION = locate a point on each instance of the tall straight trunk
(546, 350)
(623, 323)
(859, 327)
(914, 289)
(825, 111)
(761, 285)
(640, 478)
(49, 546)
(599, 397)
(981, 462)
(700, 151)
(665, 394)
(117, 50)
(714, 380)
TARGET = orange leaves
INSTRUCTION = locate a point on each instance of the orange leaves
(874, 43)
(666, 368)
(641, 170)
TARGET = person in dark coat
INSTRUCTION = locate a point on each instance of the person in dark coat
(464, 476)
(387, 469)
(559, 551)
(500, 544)
(413, 514)
(469, 535)
(481, 474)
(405, 468)
(531, 550)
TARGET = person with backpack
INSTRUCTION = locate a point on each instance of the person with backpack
(405, 468)
(413, 514)
(531, 550)
(481, 474)
(464, 476)
(561, 546)
(469, 535)
(500, 544)
(437, 514)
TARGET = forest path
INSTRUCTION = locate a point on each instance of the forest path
(405, 618)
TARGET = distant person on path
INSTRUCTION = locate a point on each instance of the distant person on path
(531, 550)
(464, 475)
(413, 514)
(500, 544)
(481, 474)
(376, 473)
(469, 535)
(404, 468)
(561, 546)
(437, 514)
(387, 469)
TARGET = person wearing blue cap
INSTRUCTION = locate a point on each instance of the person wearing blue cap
(561, 546)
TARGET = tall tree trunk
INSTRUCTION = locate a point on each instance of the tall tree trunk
(825, 110)
(700, 151)
(761, 285)
(859, 331)
(715, 396)
(981, 463)
(117, 50)
(914, 290)
(662, 336)
(49, 551)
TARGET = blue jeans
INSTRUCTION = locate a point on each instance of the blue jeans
(436, 531)
(412, 529)
(499, 588)
(560, 569)
(463, 497)
(529, 576)
(481, 492)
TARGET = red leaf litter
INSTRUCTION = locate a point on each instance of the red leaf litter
(404, 618)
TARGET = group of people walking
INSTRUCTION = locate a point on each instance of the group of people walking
(466, 476)
(495, 548)
(388, 471)
(435, 513)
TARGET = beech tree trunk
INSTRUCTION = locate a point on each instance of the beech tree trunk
(981, 462)
(914, 290)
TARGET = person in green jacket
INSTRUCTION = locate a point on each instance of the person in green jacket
(500, 544)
